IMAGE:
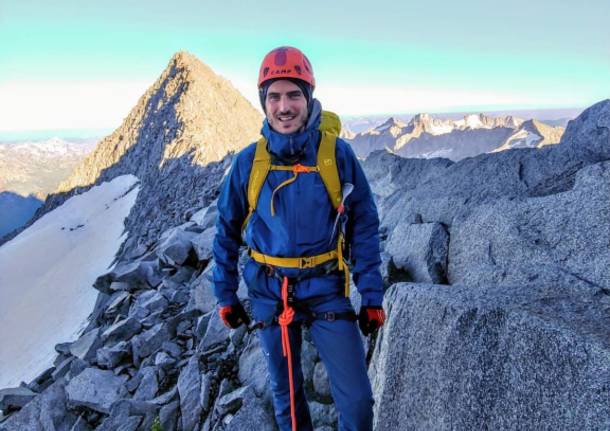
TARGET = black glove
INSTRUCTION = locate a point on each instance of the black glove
(370, 319)
(234, 315)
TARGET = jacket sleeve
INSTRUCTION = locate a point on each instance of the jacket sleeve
(363, 232)
(232, 210)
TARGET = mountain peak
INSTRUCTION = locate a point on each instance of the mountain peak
(421, 117)
(189, 110)
(193, 66)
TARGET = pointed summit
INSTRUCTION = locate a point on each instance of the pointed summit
(175, 141)
(188, 110)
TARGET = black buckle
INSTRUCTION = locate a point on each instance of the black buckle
(291, 285)
(330, 316)
(269, 270)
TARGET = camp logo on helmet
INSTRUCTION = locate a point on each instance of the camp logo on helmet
(281, 72)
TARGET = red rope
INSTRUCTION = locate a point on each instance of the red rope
(284, 320)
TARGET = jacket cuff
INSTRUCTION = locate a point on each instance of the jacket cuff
(371, 300)
(227, 298)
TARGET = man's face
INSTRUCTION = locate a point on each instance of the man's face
(286, 107)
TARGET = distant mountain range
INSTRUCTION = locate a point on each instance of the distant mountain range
(426, 136)
(30, 170)
(37, 167)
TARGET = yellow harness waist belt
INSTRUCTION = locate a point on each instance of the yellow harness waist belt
(293, 262)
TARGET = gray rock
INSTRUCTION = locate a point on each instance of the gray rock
(135, 275)
(110, 357)
(129, 415)
(15, 398)
(588, 136)
(96, 389)
(481, 357)
(148, 342)
(80, 425)
(206, 217)
(559, 239)
(148, 303)
(149, 385)
(122, 287)
(168, 416)
(232, 401)
(323, 414)
(174, 292)
(86, 346)
(189, 388)
(421, 250)
(175, 247)
(202, 324)
(184, 274)
(309, 357)
(42, 381)
(63, 348)
(216, 333)
(252, 412)
(118, 304)
(203, 244)
(164, 361)
(320, 381)
(122, 330)
(76, 367)
(253, 367)
(204, 396)
(62, 368)
(166, 397)
(202, 292)
(46, 411)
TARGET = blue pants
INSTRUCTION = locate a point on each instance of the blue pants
(338, 343)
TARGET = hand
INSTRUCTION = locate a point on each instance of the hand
(370, 319)
(234, 315)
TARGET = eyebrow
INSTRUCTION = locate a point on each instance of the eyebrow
(289, 94)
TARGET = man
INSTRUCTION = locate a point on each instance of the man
(281, 192)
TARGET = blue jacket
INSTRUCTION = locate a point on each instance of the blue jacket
(304, 215)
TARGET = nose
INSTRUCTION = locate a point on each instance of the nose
(283, 104)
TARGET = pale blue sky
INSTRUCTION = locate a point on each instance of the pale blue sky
(87, 62)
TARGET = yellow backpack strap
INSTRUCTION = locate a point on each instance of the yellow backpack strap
(327, 164)
(330, 122)
(260, 168)
(329, 171)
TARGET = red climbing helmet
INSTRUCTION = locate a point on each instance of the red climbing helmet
(286, 62)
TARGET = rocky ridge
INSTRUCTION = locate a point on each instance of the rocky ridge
(425, 136)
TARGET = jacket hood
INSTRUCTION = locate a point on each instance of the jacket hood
(292, 147)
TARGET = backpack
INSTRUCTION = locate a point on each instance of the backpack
(330, 127)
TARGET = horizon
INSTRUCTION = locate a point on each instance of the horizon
(69, 68)
(85, 134)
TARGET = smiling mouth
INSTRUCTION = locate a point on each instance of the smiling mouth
(286, 118)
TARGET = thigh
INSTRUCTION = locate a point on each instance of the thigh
(271, 344)
(342, 352)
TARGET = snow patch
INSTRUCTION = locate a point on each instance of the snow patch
(46, 274)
